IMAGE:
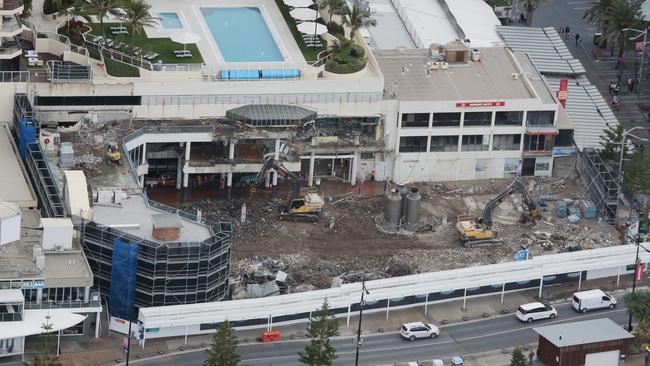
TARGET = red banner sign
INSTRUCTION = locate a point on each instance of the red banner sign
(479, 104)
(638, 273)
(563, 93)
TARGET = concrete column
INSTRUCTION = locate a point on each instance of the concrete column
(179, 172)
(355, 168)
(426, 304)
(541, 286)
(229, 183)
(39, 295)
(267, 179)
(231, 149)
(186, 175)
(143, 159)
(275, 173)
(97, 320)
(86, 294)
(141, 181)
(312, 163)
(503, 291)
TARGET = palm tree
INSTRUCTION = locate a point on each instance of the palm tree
(358, 18)
(338, 7)
(598, 13)
(138, 14)
(621, 15)
(530, 6)
(76, 10)
(101, 8)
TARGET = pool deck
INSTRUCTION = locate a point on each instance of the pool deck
(192, 21)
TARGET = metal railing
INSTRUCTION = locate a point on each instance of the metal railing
(14, 76)
(125, 59)
(10, 25)
(59, 72)
(10, 4)
(67, 304)
(11, 317)
(10, 49)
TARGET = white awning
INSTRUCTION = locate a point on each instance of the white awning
(33, 321)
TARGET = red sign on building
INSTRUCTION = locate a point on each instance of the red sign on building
(479, 104)
(563, 93)
(638, 273)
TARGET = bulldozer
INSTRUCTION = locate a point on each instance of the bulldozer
(113, 154)
(478, 231)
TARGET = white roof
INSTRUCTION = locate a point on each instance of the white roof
(597, 292)
(56, 222)
(33, 321)
(532, 305)
(428, 21)
(8, 209)
(76, 194)
(7, 296)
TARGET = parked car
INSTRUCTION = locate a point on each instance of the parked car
(593, 299)
(247, 180)
(412, 331)
(535, 311)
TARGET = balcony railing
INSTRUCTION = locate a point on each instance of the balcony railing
(11, 317)
(10, 25)
(10, 4)
(9, 49)
(68, 304)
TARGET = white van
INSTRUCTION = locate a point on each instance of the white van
(591, 300)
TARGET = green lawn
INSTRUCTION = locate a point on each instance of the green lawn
(164, 46)
(310, 54)
(119, 69)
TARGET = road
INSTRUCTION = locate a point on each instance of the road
(462, 338)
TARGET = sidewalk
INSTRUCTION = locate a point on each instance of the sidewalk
(107, 350)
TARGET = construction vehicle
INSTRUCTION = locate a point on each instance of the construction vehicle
(306, 208)
(113, 154)
(475, 231)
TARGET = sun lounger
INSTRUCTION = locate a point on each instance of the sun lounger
(118, 32)
(181, 51)
(151, 56)
(183, 55)
(98, 39)
(31, 54)
(121, 27)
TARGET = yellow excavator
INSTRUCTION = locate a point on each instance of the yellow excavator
(476, 231)
(113, 154)
(305, 208)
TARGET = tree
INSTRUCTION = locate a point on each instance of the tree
(530, 6)
(621, 15)
(598, 13)
(101, 8)
(637, 172)
(518, 357)
(338, 7)
(322, 326)
(358, 18)
(138, 14)
(46, 359)
(638, 305)
(224, 347)
(611, 143)
(76, 10)
(27, 9)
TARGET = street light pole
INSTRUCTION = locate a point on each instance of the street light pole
(361, 305)
(639, 76)
(624, 138)
(636, 264)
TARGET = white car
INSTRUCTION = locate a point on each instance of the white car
(412, 331)
(535, 311)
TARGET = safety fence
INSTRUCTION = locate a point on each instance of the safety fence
(421, 290)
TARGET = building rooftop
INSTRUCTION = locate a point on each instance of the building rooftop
(389, 32)
(13, 180)
(7, 296)
(434, 21)
(135, 217)
(406, 77)
(585, 332)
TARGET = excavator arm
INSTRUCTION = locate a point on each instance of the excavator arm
(272, 163)
(516, 186)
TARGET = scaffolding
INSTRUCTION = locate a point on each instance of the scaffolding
(600, 184)
(167, 273)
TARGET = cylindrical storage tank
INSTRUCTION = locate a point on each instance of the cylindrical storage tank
(402, 191)
(393, 209)
(413, 199)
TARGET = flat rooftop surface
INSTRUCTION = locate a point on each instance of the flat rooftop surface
(589, 331)
(389, 32)
(406, 77)
(135, 212)
(14, 186)
(191, 19)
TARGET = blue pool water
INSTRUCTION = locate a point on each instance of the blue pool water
(170, 21)
(241, 34)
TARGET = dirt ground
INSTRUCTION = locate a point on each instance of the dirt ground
(349, 239)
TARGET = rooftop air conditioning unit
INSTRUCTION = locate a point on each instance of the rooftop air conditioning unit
(514, 76)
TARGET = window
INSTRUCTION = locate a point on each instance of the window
(476, 143)
(564, 138)
(367, 156)
(511, 165)
(477, 119)
(446, 119)
(481, 166)
(444, 143)
(540, 118)
(413, 144)
(538, 143)
(506, 142)
(510, 118)
(542, 164)
(415, 120)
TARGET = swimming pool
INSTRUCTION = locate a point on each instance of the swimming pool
(241, 34)
(170, 21)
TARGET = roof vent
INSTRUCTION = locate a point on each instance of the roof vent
(514, 76)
